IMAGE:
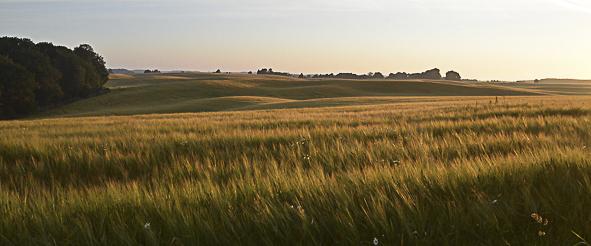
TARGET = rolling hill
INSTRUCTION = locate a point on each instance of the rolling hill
(201, 92)
(555, 86)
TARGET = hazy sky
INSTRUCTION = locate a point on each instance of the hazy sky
(485, 39)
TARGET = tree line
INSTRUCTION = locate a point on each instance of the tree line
(434, 74)
(36, 76)
(271, 72)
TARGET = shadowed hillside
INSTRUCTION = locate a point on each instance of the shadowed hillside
(199, 92)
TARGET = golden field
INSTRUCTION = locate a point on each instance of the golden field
(414, 169)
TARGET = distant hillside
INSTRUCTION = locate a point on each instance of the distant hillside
(564, 81)
(201, 92)
(555, 86)
(120, 71)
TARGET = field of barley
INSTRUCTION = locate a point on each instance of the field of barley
(451, 171)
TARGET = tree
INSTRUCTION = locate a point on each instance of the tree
(301, 76)
(271, 72)
(17, 89)
(218, 71)
(58, 74)
(378, 75)
(71, 66)
(46, 76)
(25, 53)
(432, 74)
(151, 71)
(453, 75)
(86, 52)
(398, 75)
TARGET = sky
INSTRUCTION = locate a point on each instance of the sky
(481, 39)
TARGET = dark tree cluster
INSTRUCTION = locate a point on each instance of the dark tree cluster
(376, 75)
(270, 71)
(151, 71)
(429, 74)
(34, 76)
(453, 75)
(434, 74)
(323, 76)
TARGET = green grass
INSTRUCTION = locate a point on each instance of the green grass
(451, 171)
(199, 92)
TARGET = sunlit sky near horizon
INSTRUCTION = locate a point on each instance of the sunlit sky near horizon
(483, 39)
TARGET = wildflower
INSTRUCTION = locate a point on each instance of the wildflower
(307, 157)
(537, 218)
(541, 233)
(376, 241)
(495, 201)
(147, 226)
(301, 209)
(303, 141)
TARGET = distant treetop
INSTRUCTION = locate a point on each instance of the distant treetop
(453, 75)
(270, 71)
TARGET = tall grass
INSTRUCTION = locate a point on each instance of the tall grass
(514, 172)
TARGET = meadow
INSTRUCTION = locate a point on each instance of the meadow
(416, 170)
(206, 92)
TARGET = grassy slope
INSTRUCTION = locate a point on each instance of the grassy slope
(429, 173)
(194, 92)
(556, 86)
